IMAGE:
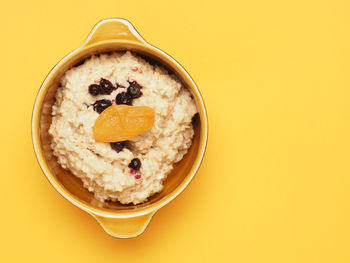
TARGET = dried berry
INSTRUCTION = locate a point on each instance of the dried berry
(123, 98)
(106, 86)
(94, 89)
(121, 122)
(135, 164)
(101, 105)
(118, 146)
(134, 90)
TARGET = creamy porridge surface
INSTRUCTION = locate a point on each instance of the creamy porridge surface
(104, 170)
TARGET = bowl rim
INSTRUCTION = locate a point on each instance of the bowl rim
(35, 132)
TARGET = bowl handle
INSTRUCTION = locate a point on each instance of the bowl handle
(124, 227)
(111, 29)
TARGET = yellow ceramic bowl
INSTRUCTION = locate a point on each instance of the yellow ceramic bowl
(116, 219)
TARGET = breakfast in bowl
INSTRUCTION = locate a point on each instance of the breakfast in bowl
(120, 123)
(119, 128)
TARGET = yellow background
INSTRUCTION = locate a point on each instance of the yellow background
(274, 184)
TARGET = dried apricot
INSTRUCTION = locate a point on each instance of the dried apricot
(122, 122)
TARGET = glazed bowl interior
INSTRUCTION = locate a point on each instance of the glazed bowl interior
(66, 180)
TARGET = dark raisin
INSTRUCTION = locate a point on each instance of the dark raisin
(101, 105)
(118, 146)
(134, 90)
(94, 89)
(135, 164)
(106, 86)
(123, 98)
